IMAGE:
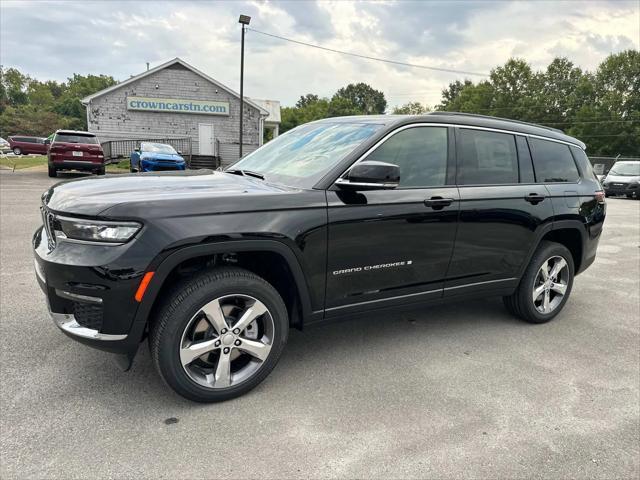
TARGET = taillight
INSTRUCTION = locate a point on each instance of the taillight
(600, 197)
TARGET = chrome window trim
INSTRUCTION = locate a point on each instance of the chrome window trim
(453, 125)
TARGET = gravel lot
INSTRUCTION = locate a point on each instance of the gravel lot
(454, 391)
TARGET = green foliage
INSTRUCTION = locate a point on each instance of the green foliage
(31, 107)
(365, 100)
(411, 108)
(354, 99)
(600, 108)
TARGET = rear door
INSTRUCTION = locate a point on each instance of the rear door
(394, 246)
(501, 210)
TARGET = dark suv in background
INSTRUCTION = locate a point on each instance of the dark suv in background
(334, 218)
(23, 145)
(74, 150)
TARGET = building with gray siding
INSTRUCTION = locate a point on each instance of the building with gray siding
(175, 100)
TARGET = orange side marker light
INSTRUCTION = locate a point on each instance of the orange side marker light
(143, 286)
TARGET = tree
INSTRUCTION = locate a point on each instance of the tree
(411, 108)
(306, 100)
(365, 99)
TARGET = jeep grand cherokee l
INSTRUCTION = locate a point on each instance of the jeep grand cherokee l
(74, 150)
(333, 218)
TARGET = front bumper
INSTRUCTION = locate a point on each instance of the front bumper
(89, 295)
(626, 189)
(158, 166)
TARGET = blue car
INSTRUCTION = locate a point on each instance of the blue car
(153, 157)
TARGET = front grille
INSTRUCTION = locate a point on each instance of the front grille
(88, 315)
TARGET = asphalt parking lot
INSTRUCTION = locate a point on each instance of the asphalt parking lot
(454, 391)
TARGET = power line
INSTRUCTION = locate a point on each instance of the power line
(367, 57)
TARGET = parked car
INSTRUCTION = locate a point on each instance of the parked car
(23, 145)
(623, 179)
(75, 150)
(4, 146)
(153, 157)
(334, 218)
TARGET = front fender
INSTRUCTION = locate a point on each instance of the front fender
(164, 266)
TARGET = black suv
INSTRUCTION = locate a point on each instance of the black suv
(333, 218)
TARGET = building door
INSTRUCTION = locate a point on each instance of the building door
(205, 139)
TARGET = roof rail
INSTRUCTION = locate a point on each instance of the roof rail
(477, 115)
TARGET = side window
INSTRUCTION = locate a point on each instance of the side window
(585, 164)
(421, 154)
(486, 158)
(553, 162)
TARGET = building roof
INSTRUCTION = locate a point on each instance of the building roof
(176, 60)
(271, 106)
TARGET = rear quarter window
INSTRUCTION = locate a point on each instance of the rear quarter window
(553, 162)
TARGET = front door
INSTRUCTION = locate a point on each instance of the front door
(205, 139)
(394, 246)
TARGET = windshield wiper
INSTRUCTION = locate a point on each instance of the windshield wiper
(246, 173)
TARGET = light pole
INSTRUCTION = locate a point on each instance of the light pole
(244, 20)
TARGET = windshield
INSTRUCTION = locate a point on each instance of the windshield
(302, 156)
(157, 148)
(73, 138)
(626, 169)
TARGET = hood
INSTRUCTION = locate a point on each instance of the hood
(187, 192)
(613, 178)
(160, 156)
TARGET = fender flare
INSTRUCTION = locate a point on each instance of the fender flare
(549, 227)
(166, 266)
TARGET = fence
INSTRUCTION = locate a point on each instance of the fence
(118, 149)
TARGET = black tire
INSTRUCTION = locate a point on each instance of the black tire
(183, 302)
(101, 171)
(17, 151)
(53, 172)
(520, 303)
(629, 195)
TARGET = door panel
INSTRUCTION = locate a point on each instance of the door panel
(496, 230)
(385, 244)
(205, 139)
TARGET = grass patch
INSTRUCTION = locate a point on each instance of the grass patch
(27, 161)
(23, 161)
(120, 167)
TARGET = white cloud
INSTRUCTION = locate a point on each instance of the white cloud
(53, 40)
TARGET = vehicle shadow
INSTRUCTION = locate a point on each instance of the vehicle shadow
(317, 346)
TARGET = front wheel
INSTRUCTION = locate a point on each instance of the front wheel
(17, 151)
(545, 286)
(219, 334)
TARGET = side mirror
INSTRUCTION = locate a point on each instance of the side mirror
(371, 175)
(179, 152)
(137, 149)
(47, 141)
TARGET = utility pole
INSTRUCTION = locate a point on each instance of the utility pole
(244, 20)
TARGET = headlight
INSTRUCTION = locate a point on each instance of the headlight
(95, 230)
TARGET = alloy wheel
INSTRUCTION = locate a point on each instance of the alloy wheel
(226, 341)
(550, 285)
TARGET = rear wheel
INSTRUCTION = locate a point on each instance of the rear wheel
(17, 151)
(100, 171)
(52, 171)
(219, 334)
(545, 285)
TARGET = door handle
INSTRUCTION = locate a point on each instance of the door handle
(438, 203)
(534, 198)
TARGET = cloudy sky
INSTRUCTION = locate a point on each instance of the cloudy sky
(53, 40)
